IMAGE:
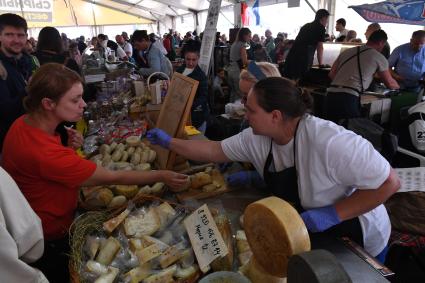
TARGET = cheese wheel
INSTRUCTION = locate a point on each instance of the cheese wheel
(275, 232)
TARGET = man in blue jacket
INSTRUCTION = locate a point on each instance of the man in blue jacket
(408, 61)
(15, 70)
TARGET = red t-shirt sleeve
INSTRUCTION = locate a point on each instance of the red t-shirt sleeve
(64, 166)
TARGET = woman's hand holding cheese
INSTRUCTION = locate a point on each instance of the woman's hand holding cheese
(173, 179)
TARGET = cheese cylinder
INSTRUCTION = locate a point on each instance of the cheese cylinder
(275, 232)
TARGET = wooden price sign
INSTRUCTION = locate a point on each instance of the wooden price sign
(206, 240)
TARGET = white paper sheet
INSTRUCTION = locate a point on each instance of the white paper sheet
(412, 179)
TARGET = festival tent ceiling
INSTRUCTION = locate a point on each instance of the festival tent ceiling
(101, 12)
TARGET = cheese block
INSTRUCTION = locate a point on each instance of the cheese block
(128, 191)
(149, 253)
(170, 256)
(108, 277)
(275, 232)
(244, 257)
(226, 262)
(164, 276)
(139, 273)
(199, 180)
(143, 224)
(109, 250)
(165, 214)
(133, 141)
(113, 223)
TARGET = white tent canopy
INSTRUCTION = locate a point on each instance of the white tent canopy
(156, 10)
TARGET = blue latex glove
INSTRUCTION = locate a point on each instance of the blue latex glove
(320, 219)
(158, 136)
(244, 178)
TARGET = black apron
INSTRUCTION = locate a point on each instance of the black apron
(284, 184)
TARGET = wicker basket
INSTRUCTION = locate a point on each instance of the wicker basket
(102, 216)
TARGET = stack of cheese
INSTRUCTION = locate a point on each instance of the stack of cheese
(133, 155)
(146, 244)
(100, 197)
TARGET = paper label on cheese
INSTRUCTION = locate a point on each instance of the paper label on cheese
(207, 242)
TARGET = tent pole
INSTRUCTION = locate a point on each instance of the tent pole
(237, 15)
(331, 8)
(94, 19)
(311, 6)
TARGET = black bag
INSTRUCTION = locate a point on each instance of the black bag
(382, 140)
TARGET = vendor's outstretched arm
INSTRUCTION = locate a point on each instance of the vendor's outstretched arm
(362, 201)
(103, 176)
(207, 151)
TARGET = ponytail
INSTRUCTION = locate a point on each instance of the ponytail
(277, 93)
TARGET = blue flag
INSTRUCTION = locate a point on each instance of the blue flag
(256, 11)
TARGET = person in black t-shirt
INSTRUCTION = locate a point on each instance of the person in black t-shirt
(309, 39)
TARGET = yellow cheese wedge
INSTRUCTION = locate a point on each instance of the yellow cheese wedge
(275, 232)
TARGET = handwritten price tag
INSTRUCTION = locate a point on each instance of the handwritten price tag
(206, 240)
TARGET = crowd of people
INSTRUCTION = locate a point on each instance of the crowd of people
(337, 192)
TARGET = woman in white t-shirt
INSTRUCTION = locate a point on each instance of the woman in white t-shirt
(333, 177)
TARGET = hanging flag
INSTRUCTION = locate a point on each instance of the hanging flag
(400, 11)
(256, 12)
(244, 14)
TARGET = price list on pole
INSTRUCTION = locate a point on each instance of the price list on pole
(206, 240)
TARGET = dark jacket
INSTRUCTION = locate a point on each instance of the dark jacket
(12, 90)
(45, 57)
(113, 45)
(200, 110)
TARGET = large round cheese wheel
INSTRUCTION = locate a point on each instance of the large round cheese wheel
(275, 232)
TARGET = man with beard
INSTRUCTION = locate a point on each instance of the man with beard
(15, 70)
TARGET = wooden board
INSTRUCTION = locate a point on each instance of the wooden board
(174, 114)
(199, 194)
